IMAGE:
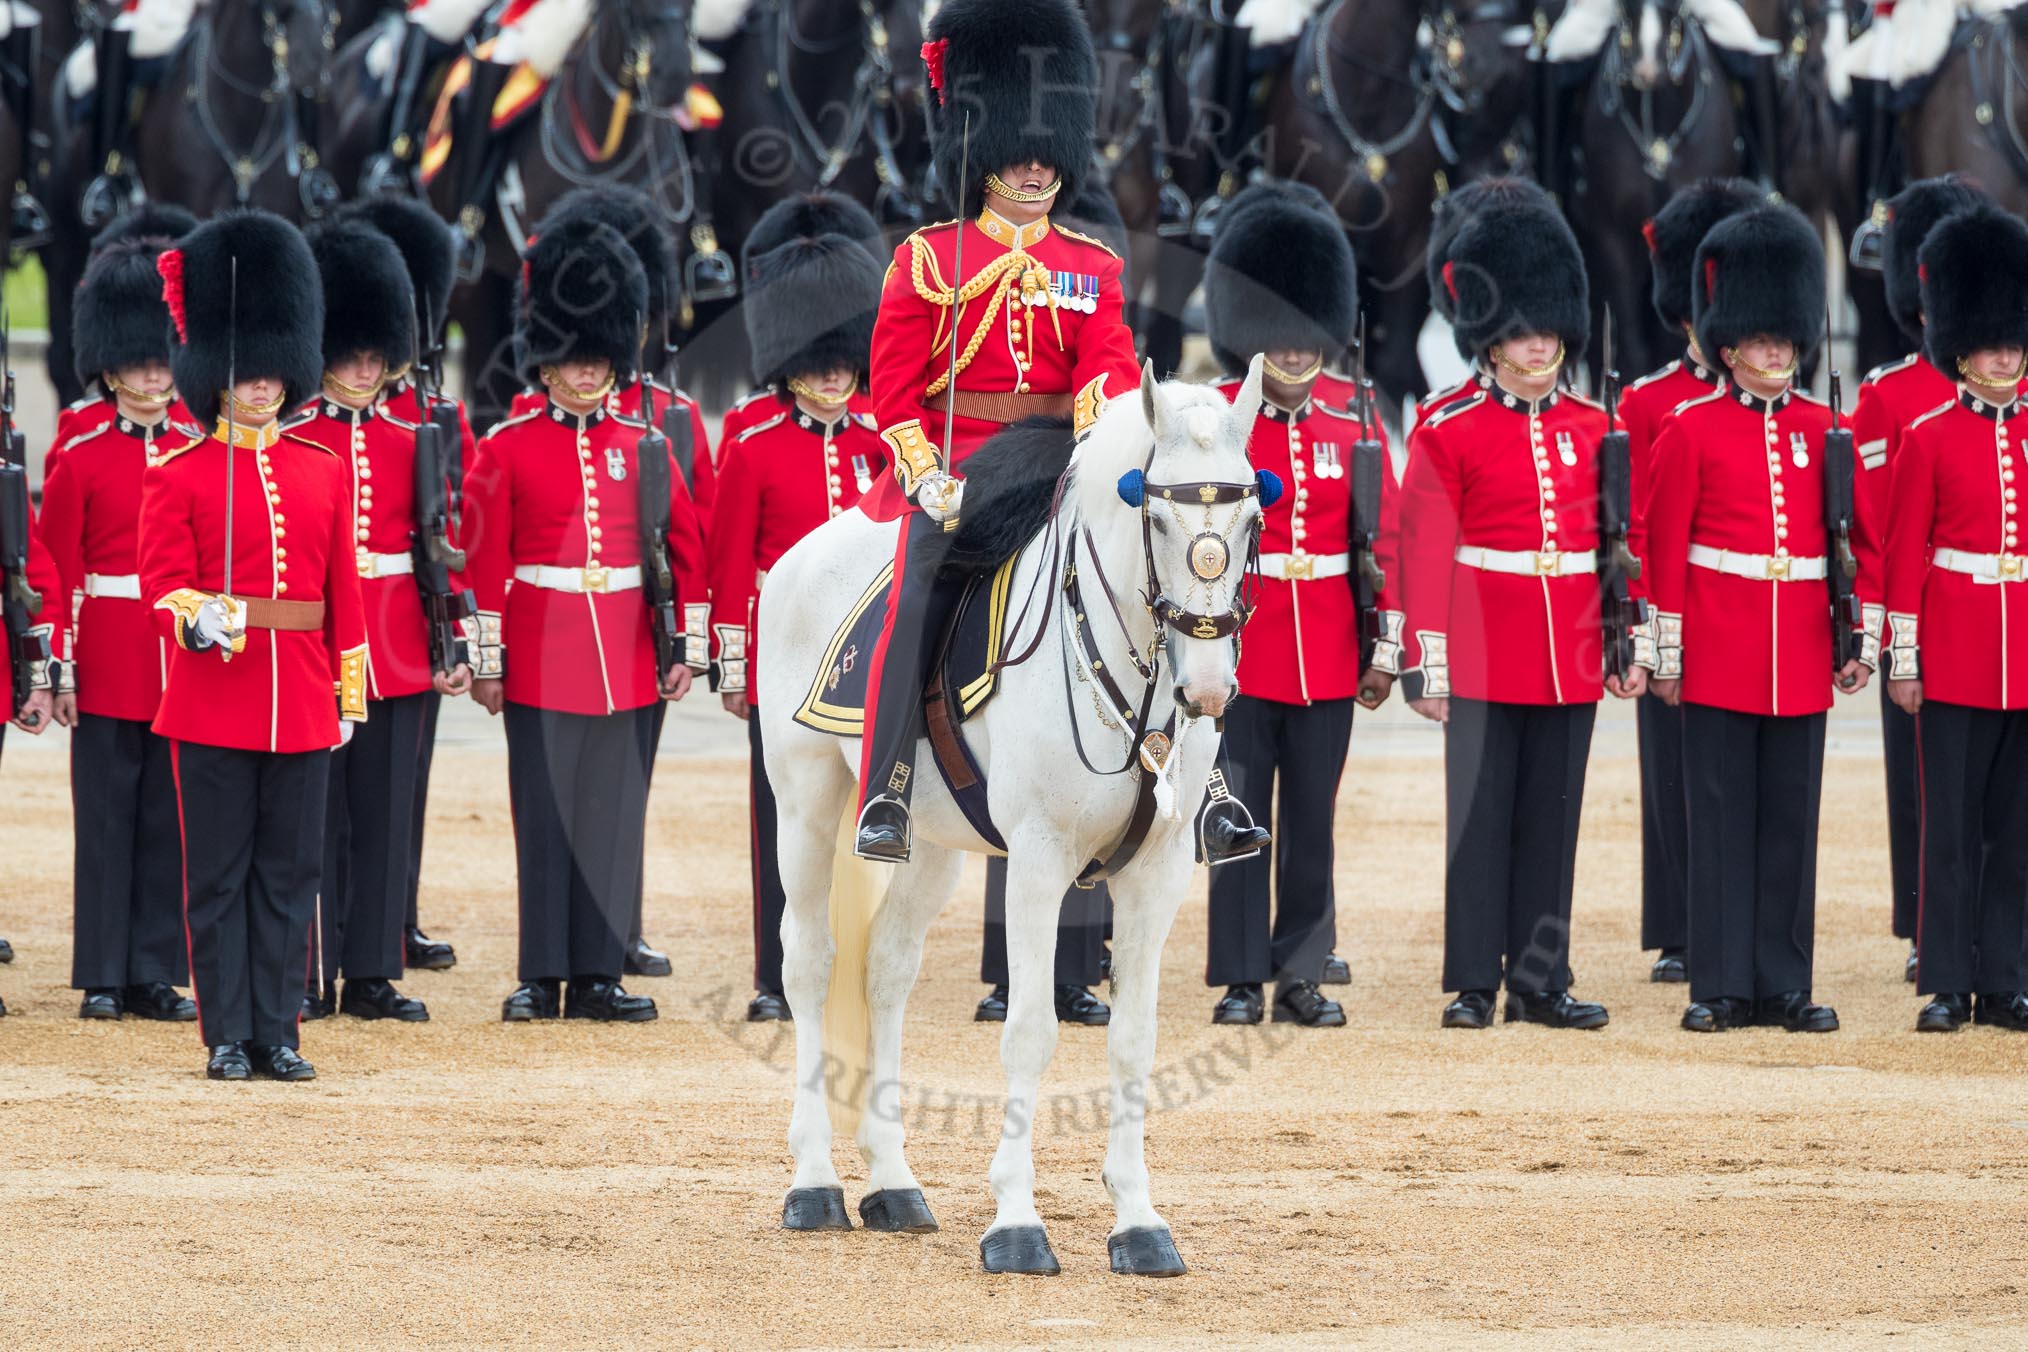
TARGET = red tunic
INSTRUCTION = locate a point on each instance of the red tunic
(53, 620)
(1744, 475)
(551, 489)
(763, 404)
(1492, 472)
(703, 464)
(1302, 640)
(91, 522)
(292, 541)
(1955, 484)
(1643, 408)
(95, 410)
(1040, 313)
(1890, 398)
(783, 478)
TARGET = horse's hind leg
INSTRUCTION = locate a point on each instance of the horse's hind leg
(893, 957)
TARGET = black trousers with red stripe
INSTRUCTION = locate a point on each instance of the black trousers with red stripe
(1904, 813)
(769, 897)
(1665, 826)
(253, 832)
(368, 846)
(918, 604)
(128, 888)
(1970, 933)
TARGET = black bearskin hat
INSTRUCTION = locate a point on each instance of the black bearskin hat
(276, 329)
(427, 247)
(1974, 270)
(807, 216)
(1449, 213)
(1280, 274)
(1759, 271)
(1675, 232)
(1025, 72)
(639, 221)
(810, 305)
(369, 301)
(118, 318)
(583, 296)
(1517, 270)
(150, 220)
(1911, 214)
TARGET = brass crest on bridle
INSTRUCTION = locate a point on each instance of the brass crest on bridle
(1209, 557)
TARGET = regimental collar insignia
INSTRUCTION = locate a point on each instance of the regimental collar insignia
(1700, 371)
(1510, 400)
(1012, 235)
(145, 431)
(1992, 412)
(819, 426)
(1275, 413)
(558, 413)
(334, 409)
(247, 436)
(1766, 408)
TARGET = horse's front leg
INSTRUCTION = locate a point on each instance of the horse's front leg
(1145, 902)
(812, 796)
(1037, 874)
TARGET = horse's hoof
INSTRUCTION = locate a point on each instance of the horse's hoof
(1147, 1251)
(1019, 1248)
(899, 1211)
(815, 1209)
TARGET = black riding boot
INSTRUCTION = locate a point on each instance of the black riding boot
(1226, 831)
(30, 227)
(392, 169)
(476, 157)
(314, 184)
(115, 189)
(708, 272)
(922, 604)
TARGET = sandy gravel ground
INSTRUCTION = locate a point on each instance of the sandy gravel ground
(1383, 1185)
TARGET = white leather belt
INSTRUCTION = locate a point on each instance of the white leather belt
(581, 580)
(386, 565)
(121, 586)
(1982, 567)
(1759, 567)
(1529, 562)
(1303, 567)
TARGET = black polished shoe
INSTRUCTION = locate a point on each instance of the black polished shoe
(100, 1004)
(1472, 1009)
(321, 1006)
(229, 1062)
(1718, 1014)
(1944, 1014)
(376, 998)
(1670, 968)
(431, 955)
(1908, 968)
(2003, 1009)
(1554, 1009)
(601, 998)
(883, 831)
(1301, 1002)
(642, 960)
(992, 1009)
(6, 951)
(1075, 1004)
(160, 1001)
(768, 1007)
(1792, 1010)
(532, 1000)
(1226, 833)
(280, 1063)
(1240, 1006)
(1337, 971)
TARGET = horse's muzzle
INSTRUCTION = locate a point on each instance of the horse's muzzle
(1208, 702)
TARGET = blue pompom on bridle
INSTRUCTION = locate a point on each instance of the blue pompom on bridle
(1133, 487)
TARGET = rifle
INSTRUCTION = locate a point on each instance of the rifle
(1620, 612)
(658, 581)
(1369, 480)
(444, 607)
(27, 649)
(1840, 469)
(429, 385)
(675, 419)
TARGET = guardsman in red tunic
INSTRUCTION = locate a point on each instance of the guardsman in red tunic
(1673, 236)
(810, 302)
(165, 224)
(1739, 553)
(1957, 617)
(369, 330)
(567, 639)
(127, 948)
(247, 558)
(1281, 282)
(1891, 397)
(1501, 631)
(1448, 216)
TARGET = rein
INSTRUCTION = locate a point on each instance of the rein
(1687, 47)
(1373, 156)
(659, 157)
(275, 136)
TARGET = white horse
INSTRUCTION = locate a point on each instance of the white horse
(1054, 815)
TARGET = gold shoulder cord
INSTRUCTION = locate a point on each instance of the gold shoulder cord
(988, 278)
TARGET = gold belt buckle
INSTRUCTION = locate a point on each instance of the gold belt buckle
(1778, 568)
(2010, 567)
(1301, 567)
(1548, 563)
(365, 559)
(594, 578)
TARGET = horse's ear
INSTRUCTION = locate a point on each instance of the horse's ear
(1246, 404)
(1151, 401)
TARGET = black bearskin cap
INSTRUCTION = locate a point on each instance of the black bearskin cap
(1675, 232)
(807, 216)
(426, 243)
(150, 220)
(583, 295)
(1911, 214)
(810, 304)
(1759, 271)
(1517, 270)
(1449, 213)
(1026, 73)
(119, 318)
(276, 329)
(1280, 274)
(639, 221)
(369, 301)
(1974, 270)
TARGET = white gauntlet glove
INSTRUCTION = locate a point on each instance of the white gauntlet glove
(220, 623)
(939, 495)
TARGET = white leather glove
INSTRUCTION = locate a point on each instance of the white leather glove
(220, 623)
(939, 495)
(345, 730)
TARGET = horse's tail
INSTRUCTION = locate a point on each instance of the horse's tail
(858, 886)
